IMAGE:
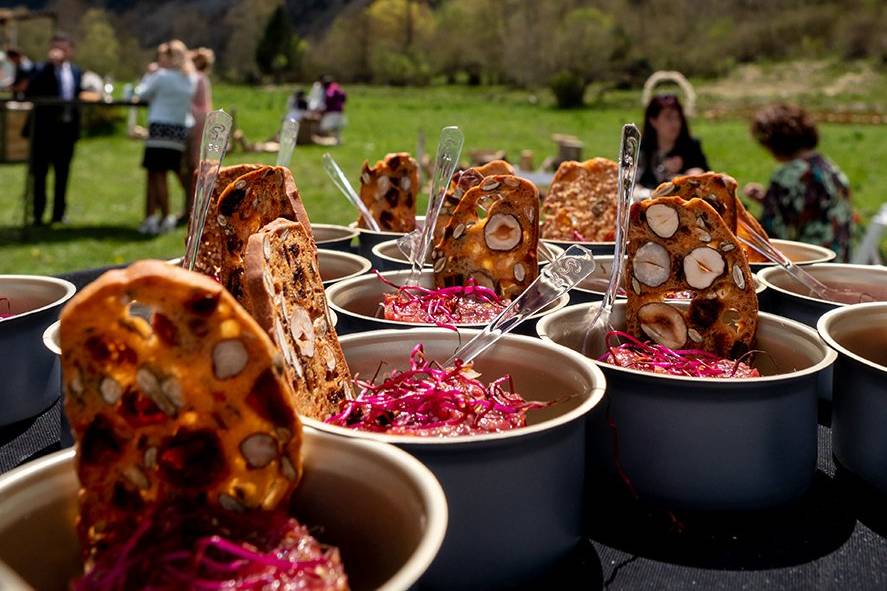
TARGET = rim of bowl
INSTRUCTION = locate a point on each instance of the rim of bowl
(331, 291)
(825, 254)
(424, 481)
(763, 274)
(377, 252)
(828, 358)
(365, 264)
(70, 290)
(348, 233)
(595, 396)
(581, 243)
(823, 327)
(353, 226)
(51, 337)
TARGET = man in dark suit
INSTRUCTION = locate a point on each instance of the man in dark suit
(56, 127)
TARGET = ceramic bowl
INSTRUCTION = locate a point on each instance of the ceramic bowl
(332, 237)
(387, 256)
(367, 239)
(336, 265)
(799, 253)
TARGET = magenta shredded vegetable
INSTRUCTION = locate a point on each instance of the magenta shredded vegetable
(7, 313)
(445, 306)
(172, 549)
(652, 357)
(429, 400)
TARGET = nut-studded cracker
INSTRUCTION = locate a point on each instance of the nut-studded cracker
(498, 251)
(190, 404)
(246, 205)
(581, 203)
(209, 255)
(461, 183)
(677, 245)
(287, 299)
(720, 191)
(389, 189)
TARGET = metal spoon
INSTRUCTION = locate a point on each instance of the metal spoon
(213, 146)
(599, 324)
(763, 247)
(556, 279)
(334, 171)
(449, 148)
(289, 131)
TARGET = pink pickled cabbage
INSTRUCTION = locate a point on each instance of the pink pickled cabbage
(445, 306)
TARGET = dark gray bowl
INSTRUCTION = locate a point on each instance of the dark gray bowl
(515, 498)
(710, 444)
(799, 253)
(332, 237)
(859, 412)
(367, 239)
(357, 301)
(383, 509)
(602, 248)
(387, 256)
(30, 381)
(337, 266)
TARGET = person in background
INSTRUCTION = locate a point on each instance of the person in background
(201, 104)
(809, 197)
(316, 98)
(169, 92)
(297, 106)
(23, 68)
(56, 127)
(667, 148)
(333, 121)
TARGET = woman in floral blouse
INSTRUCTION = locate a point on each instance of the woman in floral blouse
(808, 199)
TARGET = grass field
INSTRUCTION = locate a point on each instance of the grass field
(106, 192)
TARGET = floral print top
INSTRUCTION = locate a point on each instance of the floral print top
(808, 200)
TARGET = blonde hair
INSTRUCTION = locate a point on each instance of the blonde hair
(177, 56)
(203, 58)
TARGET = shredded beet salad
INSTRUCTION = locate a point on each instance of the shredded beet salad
(177, 548)
(430, 400)
(446, 306)
(652, 357)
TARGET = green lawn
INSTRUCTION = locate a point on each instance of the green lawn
(106, 193)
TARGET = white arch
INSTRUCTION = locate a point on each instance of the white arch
(671, 76)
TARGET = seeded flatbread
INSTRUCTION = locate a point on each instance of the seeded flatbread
(676, 245)
(192, 403)
(389, 190)
(209, 256)
(720, 191)
(498, 251)
(461, 183)
(288, 300)
(581, 203)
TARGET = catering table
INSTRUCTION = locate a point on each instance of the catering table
(833, 538)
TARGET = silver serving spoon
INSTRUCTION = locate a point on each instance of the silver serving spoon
(289, 131)
(599, 322)
(334, 171)
(213, 146)
(449, 148)
(763, 247)
(556, 279)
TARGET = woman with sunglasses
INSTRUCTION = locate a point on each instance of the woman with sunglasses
(667, 149)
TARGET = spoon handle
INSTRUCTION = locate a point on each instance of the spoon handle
(629, 148)
(289, 131)
(334, 171)
(556, 279)
(449, 148)
(213, 145)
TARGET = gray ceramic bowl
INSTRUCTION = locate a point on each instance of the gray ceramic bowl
(337, 266)
(859, 412)
(593, 287)
(707, 444)
(515, 498)
(332, 237)
(384, 510)
(800, 253)
(387, 256)
(785, 292)
(367, 239)
(597, 248)
(30, 382)
(357, 301)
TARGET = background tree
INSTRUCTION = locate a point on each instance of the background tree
(279, 51)
(98, 49)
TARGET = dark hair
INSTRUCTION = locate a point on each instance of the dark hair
(13, 53)
(62, 37)
(649, 139)
(784, 129)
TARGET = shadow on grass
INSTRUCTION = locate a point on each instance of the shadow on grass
(15, 235)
